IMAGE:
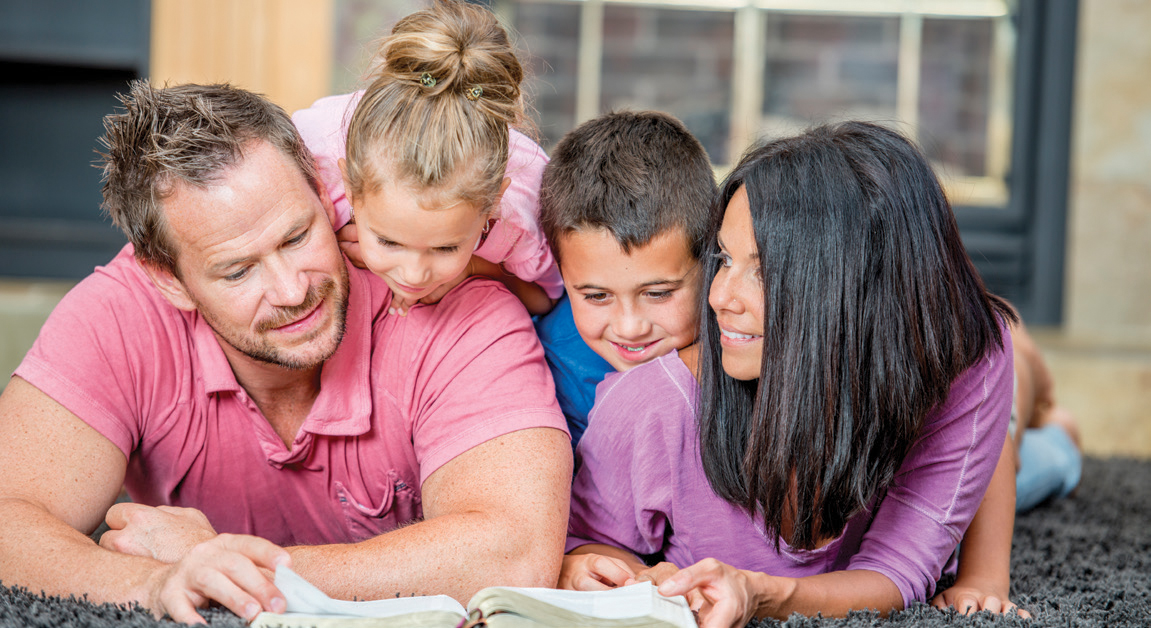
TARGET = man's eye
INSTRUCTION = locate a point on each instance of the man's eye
(298, 239)
(238, 275)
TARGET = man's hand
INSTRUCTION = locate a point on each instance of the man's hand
(165, 533)
(226, 569)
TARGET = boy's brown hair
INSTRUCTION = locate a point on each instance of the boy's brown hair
(636, 174)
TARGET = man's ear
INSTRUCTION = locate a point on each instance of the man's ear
(507, 182)
(170, 286)
(326, 200)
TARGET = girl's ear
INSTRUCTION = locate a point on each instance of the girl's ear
(169, 286)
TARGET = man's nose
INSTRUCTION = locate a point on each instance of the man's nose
(288, 284)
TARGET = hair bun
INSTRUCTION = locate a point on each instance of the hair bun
(454, 48)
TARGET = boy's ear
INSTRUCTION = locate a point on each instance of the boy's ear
(170, 286)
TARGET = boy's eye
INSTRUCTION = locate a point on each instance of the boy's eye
(387, 243)
(596, 297)
(447, 250)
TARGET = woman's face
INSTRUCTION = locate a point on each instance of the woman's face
(737, 292)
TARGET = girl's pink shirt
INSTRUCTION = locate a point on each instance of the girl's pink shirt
(515, 241)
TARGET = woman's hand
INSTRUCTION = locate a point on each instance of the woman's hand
(730, 597)
(593, 572)
(970, 595)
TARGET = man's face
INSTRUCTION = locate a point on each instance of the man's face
(631, 308)
(258, 260)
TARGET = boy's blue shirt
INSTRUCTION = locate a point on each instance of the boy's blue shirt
(576, 369)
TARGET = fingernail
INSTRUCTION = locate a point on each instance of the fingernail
(392, 311)
(251, 610)
(279, 605)
(283, 560)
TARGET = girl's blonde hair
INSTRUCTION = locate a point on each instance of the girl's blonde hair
(445, 88)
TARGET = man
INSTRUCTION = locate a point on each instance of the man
(229, 363)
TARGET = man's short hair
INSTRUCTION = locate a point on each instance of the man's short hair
(636, 174)
(182, 135)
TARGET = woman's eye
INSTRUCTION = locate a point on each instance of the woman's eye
(724, 259)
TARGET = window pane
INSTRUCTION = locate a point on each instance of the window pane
(673, 60)
(954, 100)
(360, 23)
(547, 35)
(821, 68)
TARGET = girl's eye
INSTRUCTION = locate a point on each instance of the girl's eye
(658, 295)
(384, 242)
(447, 250)
(596, 297)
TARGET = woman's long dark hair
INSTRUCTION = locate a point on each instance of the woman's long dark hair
(871, 309)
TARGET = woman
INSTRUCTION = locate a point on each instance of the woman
(854, 388)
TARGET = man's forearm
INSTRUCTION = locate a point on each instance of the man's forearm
(455, 555)
(41, 552)
(495, 515)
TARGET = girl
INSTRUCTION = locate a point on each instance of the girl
(432, 172)
(853, 398)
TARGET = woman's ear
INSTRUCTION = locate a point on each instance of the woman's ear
(169, 286)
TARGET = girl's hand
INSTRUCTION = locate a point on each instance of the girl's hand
(969, 596)
(730, 597)
(593, 572)
(349, 240)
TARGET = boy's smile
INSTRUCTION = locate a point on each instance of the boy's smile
(631, 308)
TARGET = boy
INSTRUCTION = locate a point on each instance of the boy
(624, 205)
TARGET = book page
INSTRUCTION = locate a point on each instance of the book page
(305, 599)
(634, 601)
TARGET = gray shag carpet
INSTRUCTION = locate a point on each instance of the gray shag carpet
(1083, 561)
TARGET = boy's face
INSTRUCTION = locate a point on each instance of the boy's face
(631, 308)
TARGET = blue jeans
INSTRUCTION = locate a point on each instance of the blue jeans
(1049, 467)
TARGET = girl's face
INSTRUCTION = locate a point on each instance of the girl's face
(416, 241)
(737, 292)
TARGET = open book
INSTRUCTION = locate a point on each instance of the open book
(635, 606)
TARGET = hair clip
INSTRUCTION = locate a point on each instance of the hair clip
(427, 80)
(474, 93)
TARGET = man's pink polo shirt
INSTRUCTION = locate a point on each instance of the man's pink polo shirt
(400, 397)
